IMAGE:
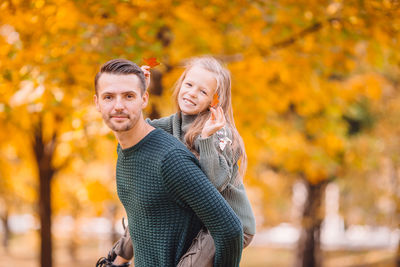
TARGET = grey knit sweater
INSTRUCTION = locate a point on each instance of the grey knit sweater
(167, 199)
(220, 166)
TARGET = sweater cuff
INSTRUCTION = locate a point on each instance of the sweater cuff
(206, 146)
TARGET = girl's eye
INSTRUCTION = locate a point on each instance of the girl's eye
(188, 84)
(203, 92)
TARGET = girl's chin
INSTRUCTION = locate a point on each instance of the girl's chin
(188, 112)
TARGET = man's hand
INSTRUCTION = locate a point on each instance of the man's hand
(214, 123)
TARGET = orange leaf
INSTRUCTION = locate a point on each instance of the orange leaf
(215, 101)
(151, 62)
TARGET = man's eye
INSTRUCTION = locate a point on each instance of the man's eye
(108, 97)
(130, 96)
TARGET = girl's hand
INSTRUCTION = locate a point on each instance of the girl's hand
(146, 71)
(214, 123)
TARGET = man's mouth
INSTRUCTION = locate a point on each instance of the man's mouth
(119, 116)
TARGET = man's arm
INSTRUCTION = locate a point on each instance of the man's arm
(188, 184)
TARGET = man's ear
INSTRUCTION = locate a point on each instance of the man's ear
(96, 101)
(145, 99)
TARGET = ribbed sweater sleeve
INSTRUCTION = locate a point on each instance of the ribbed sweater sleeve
(219, 165)
(189, 186)
(164, 123)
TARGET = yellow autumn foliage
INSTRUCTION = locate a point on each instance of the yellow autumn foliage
(298, 69)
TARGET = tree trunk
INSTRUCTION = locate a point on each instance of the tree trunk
(44, 151)
(398, 255)
(73, 244)
(396, 197)
(309, 252)
(45, 221)
(6, 237)
(156, 89)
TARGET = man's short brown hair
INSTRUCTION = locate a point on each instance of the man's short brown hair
(121, 67)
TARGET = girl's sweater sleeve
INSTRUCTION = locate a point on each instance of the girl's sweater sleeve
(219, 165)
(187, 184)
(164, 123)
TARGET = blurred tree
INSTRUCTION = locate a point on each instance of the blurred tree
(386, 145)
(16, 190)
(305, 76)
(50, 72)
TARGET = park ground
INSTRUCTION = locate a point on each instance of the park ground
(23, 251)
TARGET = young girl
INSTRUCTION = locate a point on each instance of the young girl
(210, 133)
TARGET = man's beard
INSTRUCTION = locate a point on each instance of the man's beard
(119, 127)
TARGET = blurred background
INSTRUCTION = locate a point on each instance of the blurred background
(316, 97)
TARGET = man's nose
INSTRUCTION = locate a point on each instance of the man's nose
(118, 103)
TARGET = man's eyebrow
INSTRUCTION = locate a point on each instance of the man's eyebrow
(125, 92)
(129, 92)
(106, 93)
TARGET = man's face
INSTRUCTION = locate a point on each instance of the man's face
(120, 101)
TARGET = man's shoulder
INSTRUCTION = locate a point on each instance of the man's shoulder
(169, 146)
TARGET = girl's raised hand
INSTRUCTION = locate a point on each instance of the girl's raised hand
(214, 123)
(146, 71)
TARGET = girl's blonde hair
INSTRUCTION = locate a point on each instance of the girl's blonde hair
(223, 78)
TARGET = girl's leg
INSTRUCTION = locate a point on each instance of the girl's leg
(123, 247)
(201, 252)
(247, 239)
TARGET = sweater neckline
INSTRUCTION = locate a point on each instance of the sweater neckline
(135, 147)
(186, 122)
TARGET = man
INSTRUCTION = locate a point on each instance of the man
(167, 197)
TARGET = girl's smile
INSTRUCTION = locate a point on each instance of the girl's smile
(188, 101)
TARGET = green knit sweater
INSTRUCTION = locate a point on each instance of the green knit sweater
(220, 167)
(168, 199)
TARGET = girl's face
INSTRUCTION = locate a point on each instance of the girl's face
(197, 91)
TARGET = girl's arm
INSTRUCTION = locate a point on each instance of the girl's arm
(216, 156)
(164, 123)
(220, 165)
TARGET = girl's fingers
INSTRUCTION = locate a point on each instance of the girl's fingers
(146, 70)
(216, 120)
(214, 114)
(145, 67)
